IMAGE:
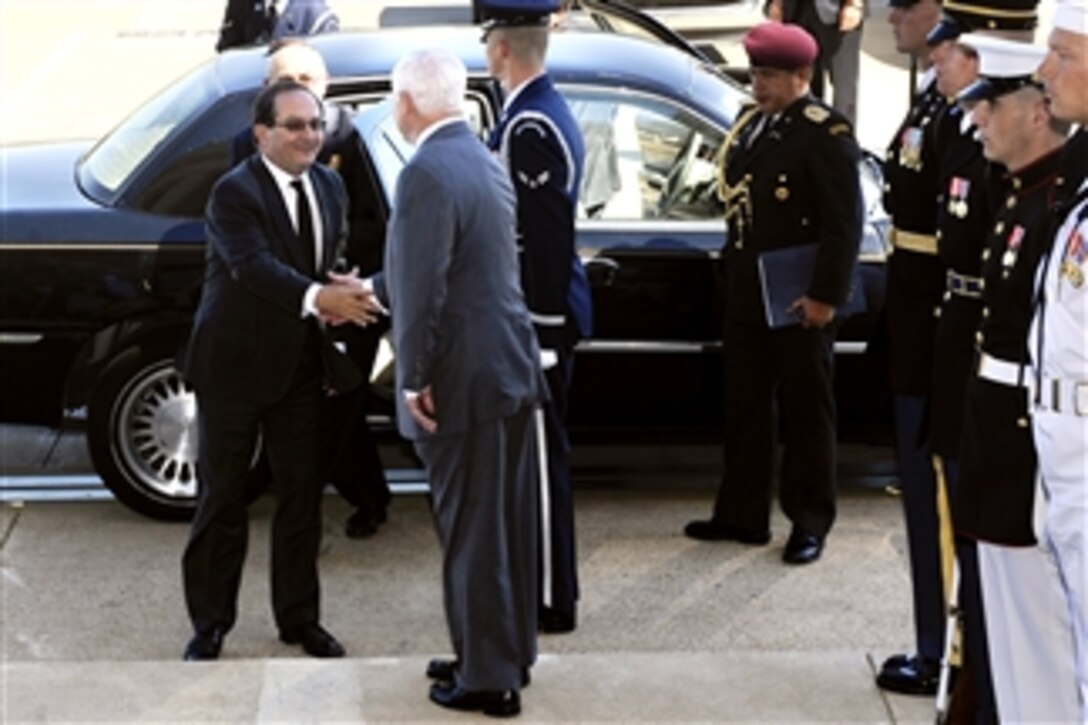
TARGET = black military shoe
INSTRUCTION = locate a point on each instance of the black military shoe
(361, 524)
(555, 621)
(802, 547)
(909, 675)
(506, 703)
(204, 647)
(714, 531)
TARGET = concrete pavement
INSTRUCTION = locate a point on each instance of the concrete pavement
(93, 623)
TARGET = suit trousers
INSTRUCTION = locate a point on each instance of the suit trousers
(789, 369)
(558, 569)
(483, 488)
(919, 494)
(839, 58)
(214, 556)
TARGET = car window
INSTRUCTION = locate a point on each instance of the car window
(646, 158)
(113, 160)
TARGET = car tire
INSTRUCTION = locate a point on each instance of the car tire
(142, 434)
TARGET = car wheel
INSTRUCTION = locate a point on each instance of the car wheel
(142, 435)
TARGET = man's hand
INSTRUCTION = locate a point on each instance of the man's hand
(421, 406)
(850, 16)
(338, 303)
(813, 313)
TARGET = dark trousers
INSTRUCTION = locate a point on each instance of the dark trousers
(919, 494)
(483, 488)
(559, 570)
(348, 447)
(791, 370)
(969, 596)
(213, 559)
(839, 57)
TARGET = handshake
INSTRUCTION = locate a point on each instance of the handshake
(347, 298)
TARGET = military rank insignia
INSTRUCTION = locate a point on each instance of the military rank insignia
(1012, 247)
(1073, 261)
(958, 189)
(910, 148)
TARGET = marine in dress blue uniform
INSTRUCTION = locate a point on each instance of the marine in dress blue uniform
(994, 496)
(538, 140)
(789, 179)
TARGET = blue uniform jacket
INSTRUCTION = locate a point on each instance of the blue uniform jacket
(541, 146)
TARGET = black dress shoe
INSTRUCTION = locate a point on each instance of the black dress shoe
(361, 524)
(444, 670)
(556, 621)
(910, 675)
(714, 531)
(315, 641)
(497, 704)
(802, 548)
(204, 647)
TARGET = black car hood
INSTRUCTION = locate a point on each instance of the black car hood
(41, 203)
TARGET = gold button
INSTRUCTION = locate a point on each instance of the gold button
(985, 311)
(887, 187)
(979, 337)
(999, 227)
(1022, 422)
(938, 235)
(936, 311)
(981, 284)
(782, 178)
(985, 254)
(947, 295)
(1011, 201)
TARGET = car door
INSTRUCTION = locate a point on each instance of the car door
(649, 231)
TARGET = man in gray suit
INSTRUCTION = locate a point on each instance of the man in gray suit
(468, 383)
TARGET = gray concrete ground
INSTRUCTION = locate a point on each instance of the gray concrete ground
(92, 621)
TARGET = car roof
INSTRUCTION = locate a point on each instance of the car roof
(573, 55)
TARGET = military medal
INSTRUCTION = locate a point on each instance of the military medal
(910, 148)
(958, 188)
(1075, 252)
(1012, 246)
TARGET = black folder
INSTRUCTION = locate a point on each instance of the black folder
(785, 276)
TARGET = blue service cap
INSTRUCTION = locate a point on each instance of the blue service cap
(510, 13)
(948, 28)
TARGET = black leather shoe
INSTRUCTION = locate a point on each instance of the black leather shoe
(910, 675)
(802, 548)
(444, 671)
(315, 641)
(497, 704)
(361, 524)
(204, 647)
(713, 531)
(555, 621)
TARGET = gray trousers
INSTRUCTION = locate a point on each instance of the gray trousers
(483, 485)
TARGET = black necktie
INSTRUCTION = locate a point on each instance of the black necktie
(305, 222)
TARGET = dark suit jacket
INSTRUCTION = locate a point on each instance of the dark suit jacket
(460, 323)
(249, 334)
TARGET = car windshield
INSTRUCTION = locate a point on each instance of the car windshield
(111, 162)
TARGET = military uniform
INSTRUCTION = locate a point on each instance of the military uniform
(915, 286)
(1057, 343)
(788, 181)
(538, 140)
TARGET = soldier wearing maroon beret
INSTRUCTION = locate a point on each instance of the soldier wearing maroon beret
(790, 184)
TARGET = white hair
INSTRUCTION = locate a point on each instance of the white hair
(435, 80)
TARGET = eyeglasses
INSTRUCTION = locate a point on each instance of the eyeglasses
(295, 125)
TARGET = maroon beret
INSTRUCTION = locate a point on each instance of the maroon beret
(780, 45)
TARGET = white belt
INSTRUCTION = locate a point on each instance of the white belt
(1001, 371)
(1061, 395)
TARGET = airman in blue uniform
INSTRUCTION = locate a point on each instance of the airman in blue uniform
(539, 142)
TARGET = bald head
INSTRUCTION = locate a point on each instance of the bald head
(298, 62)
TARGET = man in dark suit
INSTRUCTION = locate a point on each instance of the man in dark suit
(246, 22)
(258, 360)
(790, 179)
(469, 383)
(349, 452)
(539, 143)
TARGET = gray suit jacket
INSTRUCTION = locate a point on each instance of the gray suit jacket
(460, 324)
